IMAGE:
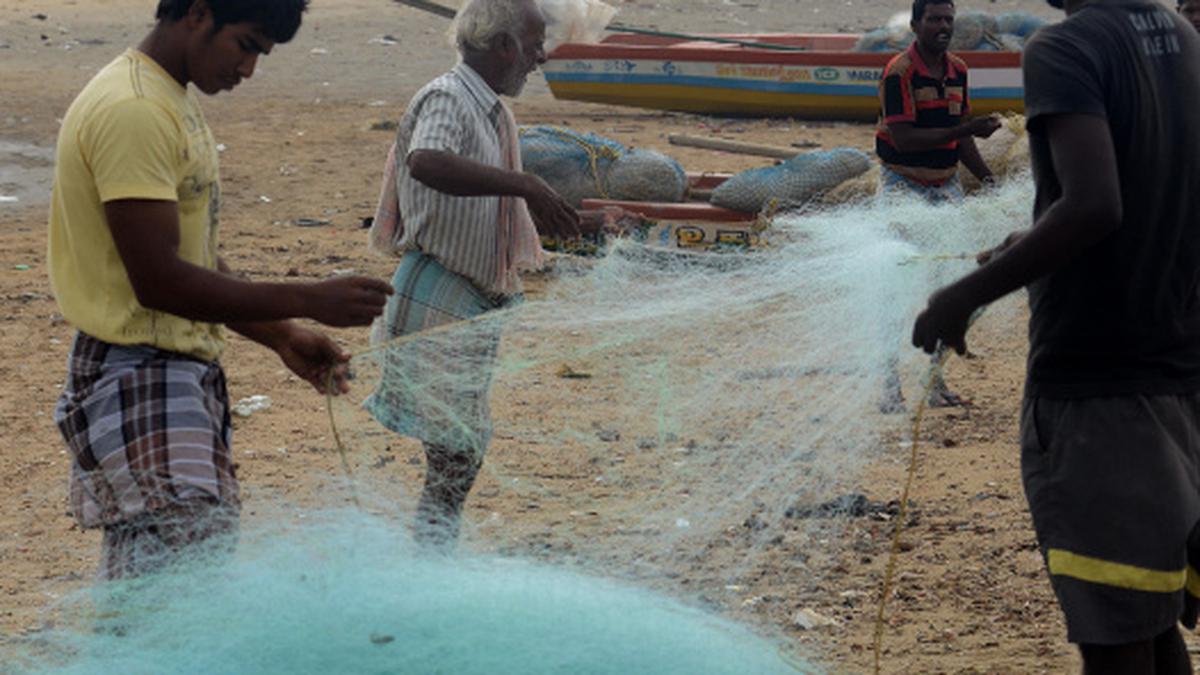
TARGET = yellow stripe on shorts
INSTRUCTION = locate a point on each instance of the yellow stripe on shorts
(1193, 582)
(1120, 575)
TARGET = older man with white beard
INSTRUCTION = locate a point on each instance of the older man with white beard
(464, 219)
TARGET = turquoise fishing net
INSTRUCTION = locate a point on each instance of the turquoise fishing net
(664, 425)
(346, 592)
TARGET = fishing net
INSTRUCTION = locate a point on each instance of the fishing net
(792, 182)
(350, 593)
(675, 448)
(1006, 152)
(854, 190)
(582, 166)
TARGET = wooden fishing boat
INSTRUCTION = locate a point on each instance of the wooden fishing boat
(761, 75)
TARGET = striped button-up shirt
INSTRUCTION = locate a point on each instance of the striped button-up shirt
(456, 113)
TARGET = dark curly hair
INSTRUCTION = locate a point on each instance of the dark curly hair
(278, 19)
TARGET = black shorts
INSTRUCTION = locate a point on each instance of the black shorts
(1114, 490)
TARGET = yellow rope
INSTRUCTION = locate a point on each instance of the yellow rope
(765, 218)
(934, 370)
(337, 438)
(1015, 124)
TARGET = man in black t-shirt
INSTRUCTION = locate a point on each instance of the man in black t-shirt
(1110, 424)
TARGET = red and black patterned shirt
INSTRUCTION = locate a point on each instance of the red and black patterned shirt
(909, 93)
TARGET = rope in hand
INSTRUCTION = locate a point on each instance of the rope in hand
(934, 370)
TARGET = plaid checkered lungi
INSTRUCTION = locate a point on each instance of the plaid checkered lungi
(436, 389)
(146, 429)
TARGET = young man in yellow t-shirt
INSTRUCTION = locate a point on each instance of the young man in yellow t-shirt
(135, 267)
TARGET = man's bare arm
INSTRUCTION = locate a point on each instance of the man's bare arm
(908, 138)
(1089, 210)
(308, 353)
(463, 177)
(968, 154)
(146, 233)
(269, 334)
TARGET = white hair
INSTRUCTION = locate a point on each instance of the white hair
(480, 22)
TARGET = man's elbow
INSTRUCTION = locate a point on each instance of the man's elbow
(154, 289)
(1103, 212)
(903, 137)
(421, 165)
(154, 297)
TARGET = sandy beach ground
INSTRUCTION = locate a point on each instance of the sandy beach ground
(972, 594)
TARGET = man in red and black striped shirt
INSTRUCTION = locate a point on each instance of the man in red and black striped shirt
(922, 134)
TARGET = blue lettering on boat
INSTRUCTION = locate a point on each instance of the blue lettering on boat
(620, 66)
(864, 75)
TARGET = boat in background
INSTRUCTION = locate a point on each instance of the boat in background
(759, 75)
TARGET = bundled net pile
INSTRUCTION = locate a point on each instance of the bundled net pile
(1006, 152)
(795, 181)
(667, 430)
(582, 166)
(855, 190)
(973, 31)
(350, 594)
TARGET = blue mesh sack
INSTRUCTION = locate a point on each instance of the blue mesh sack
(646, 176)
(885, 40)
(974, 31)
(796, 181)
(1021, 24)
(587, 166)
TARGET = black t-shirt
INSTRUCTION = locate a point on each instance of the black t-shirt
(1124, 316)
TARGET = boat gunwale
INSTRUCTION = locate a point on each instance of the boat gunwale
(691, 51)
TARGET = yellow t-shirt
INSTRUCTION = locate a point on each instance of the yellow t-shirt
(132, 133)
